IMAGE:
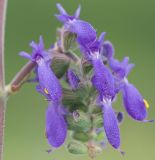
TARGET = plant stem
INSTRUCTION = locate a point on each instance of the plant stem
(2, 23)
(3, 4)
(2, 122)
(19, 78)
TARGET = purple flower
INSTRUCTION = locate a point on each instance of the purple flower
(111, 125)
(73, 79)
(38, 52)
(134, 103)
(64, 16)
(49, 85)
(103, 80)
(107, 49)
(56, 128)
(86, 34)
(121, 69)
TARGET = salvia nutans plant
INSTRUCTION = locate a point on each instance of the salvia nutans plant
(80, 78)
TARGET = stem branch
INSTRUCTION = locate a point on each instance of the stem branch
(19, 78)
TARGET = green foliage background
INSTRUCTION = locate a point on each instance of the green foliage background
(130, 25)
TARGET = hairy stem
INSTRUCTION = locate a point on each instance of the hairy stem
(2, 122)
(19, 78)
(2, 23)
(3, 4)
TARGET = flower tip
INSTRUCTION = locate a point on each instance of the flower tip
(61, 9)
(25, 55)
(41, 42)
(126, 60)
(122, 152)
(33, 45)
(101, 37)
(145, 120)
(41, 39)
(77, 12)
(49, 150)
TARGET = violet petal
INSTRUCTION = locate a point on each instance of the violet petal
(111, 126)
(56, 128)
(133, 102)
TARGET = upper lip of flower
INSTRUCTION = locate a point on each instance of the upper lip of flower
(64, 16)
(38, 52)
(121, 69)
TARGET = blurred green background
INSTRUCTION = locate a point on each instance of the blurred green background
(130, 25)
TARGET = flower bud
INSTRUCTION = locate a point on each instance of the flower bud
(80, 136)
(73, 79)
(81, 124)
(76, 147)
(68, 40)
(60, 64)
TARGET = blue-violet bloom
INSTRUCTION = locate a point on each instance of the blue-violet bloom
(103, 81)
(49, 85)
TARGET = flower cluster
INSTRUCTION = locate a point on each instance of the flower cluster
(89, 94)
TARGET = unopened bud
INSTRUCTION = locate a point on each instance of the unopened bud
(76, 147)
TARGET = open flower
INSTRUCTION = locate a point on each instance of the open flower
(48, 82)
(103, 81)
(86, 34)
(133, 101)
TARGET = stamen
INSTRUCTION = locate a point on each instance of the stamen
(46, 91)
(146, 103)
